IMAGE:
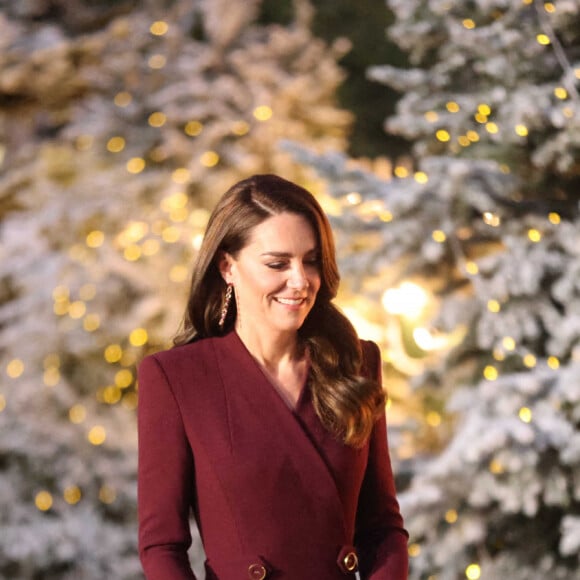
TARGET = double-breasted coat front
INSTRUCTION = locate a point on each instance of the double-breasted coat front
(274, 494)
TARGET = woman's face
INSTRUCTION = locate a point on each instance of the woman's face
(276, 276)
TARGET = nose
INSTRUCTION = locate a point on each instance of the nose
(297, 279)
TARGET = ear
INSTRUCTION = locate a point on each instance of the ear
(226, 265)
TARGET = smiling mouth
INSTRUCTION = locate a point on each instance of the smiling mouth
(290, 301)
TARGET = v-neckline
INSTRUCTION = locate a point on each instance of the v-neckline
(287, 402)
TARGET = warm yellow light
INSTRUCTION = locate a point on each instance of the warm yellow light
(525, 414)
(176, 200)
(97, 435)
(15, 368)
(543, 39)
(385, 216)
(521, 130)
(43, 501)
(77, 309)
(170, 234)
(193, 128)
(107, 494)
(491, 219)
(490, 373)
(463, 141)
(61, 294)
(534, 235)
(443, 135)
(95, 239)
(427, 341)
(433, 419)
(452, 107)
(431, 116)
(439, 236)
(421, 177)
(2, 403)
(561, 93)
(196, 241)
(493, 306)
(91, 322)
(496, 467)
(240, 128)
(530, 360)
(498, 354)
(51, 377)
(553, 362)
(77, 414)
(414, 550)
(492, 128)
(159, 28)
(577, 73)
(480, 118)
(554, 218)
(123, 99)
(135, 165)
(484, 109)
(473, 572)
(401, 172)
(469, 23)
(157, 61)
(178, 215)
(471, 267)
(549, 7)
(132, 253)
(111, 394)
(409, 299)
(180, 175)
(138, 337)
(133, 232)
(508, 343)
(473, 136)
(157, 119)
(113, 353)
(263, 113)
(451, 516)
(116, 144)
(72, 494)
(209, 159)
(150, 247)
(123, 378)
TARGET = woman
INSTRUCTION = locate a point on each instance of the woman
(267, 417)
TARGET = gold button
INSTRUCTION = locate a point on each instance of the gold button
(350, 561)
(256, 572)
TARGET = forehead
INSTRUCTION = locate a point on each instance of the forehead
(283, 232)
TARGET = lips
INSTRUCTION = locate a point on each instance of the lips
(290, 301)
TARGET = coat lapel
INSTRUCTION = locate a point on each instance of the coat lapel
(267, 433)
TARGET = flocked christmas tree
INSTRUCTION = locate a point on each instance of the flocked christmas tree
(120, 125)
(474, 250)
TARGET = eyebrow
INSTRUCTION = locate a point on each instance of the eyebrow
(287, 254)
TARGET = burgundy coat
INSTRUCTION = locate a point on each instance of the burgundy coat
(273, 493)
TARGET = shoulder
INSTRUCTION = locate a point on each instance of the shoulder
(181, 359)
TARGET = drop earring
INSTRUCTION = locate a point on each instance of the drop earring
(226, 305)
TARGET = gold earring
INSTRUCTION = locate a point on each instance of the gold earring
(226, 305)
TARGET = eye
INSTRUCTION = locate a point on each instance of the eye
(276, 265)
(312, 261)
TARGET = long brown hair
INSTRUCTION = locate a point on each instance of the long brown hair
(346, 403)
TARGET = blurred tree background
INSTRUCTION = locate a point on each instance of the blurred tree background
(441, 137)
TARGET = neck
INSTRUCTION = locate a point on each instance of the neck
(270, 350)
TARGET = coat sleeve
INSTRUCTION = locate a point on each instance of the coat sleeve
(380, 537)
(165, 478)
